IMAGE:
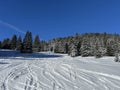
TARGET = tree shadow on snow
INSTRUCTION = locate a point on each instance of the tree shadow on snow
(17, 55)
(4, 63)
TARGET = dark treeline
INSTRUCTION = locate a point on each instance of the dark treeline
(25, 45)
(88, 44)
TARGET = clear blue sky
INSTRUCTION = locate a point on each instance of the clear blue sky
(58, 18)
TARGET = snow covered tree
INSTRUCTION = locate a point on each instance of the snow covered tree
(111, 47)
(36, 45)
(85, 48)
(13, 42)
(104, 38)
(117, 53)
(43, 46)
(27, 43)
(56, 49)
(19, 43)
(66, 48)
(98, 49)
(78, 48)
(86, 44)
(117, 57)
(117, 50)
(73, 50)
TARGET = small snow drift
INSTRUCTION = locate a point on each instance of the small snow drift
(57, 72)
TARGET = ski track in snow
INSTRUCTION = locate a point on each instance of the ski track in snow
(63, 73)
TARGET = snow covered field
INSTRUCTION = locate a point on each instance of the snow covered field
(44, 71)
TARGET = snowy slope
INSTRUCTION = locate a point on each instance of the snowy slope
(44, 71)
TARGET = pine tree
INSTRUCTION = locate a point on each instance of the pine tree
(117, 57)
(111, 48)
(27, 43)
(73, 50)
(19, 43)
(116, 50)
(105, 38)
(36, 45)
(13, 42)
(98, 49)
(43, 46)
(6, 44)
(66, 48)
(0, 44)
(85, 48)
(78, 48)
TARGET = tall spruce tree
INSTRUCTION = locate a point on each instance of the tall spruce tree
(0, 44)
(66, 48)
(27, 43)
(98, 49)
(6, 44)
(36, 46)
(117, 54)
(85, 48)
(19, 43)
(111, 47)
(73, 50)
(78, 48)
(13, 42)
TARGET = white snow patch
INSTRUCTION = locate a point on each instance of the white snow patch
(58, 72)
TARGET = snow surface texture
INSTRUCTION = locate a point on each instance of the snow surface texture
(45, 71)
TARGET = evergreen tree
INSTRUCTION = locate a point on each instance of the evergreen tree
(117, 50)
(56, 49)
(105, 38)
(36, 46)
(44, 46)
(85, 48)
(98, 49)
(13, 42)
(117, 57)
(27, 43)
(19, 43)
(6, 43)
(73, 50)
(0, 44)
(78, 48)
(66, 48)
(111, 48)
